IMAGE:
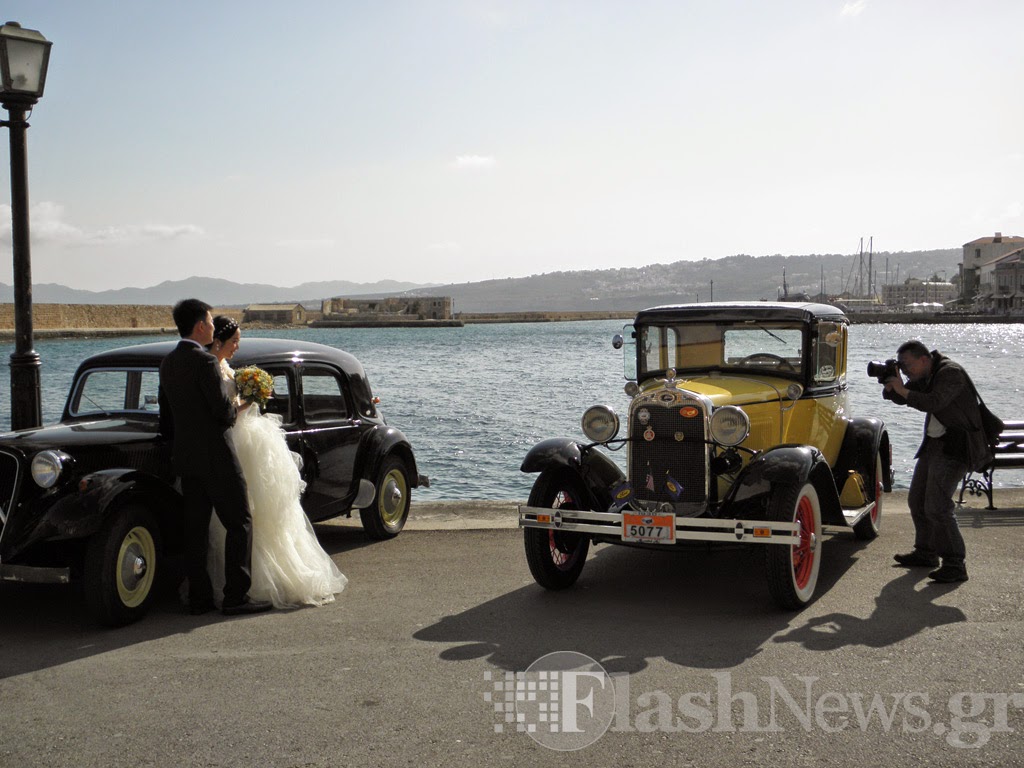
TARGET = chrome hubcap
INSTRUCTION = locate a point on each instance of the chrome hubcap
(392, 500)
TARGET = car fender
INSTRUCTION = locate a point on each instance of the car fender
(551, 453)
(87, 503)
(782, 466)
(108, 489)
(597, 471)
(863, 438)
(379, 443)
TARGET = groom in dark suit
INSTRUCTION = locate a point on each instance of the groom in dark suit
(196, 415)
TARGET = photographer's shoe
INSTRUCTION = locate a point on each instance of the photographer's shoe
(916, 559)
(949, 574)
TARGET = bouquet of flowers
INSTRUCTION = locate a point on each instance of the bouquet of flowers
(254, 385)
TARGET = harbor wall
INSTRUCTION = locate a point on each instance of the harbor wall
(82, 316)
(49, 320)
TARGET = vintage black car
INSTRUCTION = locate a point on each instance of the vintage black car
(94, 498)
(738, 430)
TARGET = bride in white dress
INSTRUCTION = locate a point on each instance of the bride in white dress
(289, 567)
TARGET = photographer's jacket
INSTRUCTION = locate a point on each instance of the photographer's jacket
(948, 396)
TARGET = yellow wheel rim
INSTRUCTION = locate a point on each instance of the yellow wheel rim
(136, 566)
(392, 498)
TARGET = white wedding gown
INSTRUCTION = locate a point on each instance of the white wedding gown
(289, 567)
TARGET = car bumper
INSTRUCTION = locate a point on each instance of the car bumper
(613, 525)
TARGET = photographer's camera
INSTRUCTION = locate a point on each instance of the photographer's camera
(883, 371)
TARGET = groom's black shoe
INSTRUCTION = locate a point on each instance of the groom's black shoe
(246, 605)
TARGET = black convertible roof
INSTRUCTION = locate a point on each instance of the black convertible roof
(250, 352)
(742, 310)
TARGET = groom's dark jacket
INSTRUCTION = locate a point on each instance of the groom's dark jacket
(195, 414)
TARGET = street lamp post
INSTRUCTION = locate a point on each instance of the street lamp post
(24, 55)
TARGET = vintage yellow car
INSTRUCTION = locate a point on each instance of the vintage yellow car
(738, 430)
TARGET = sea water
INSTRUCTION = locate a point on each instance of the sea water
(473, 400)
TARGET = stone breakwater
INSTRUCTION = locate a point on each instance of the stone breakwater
(91, 316)
(60, 320)
(70, 320)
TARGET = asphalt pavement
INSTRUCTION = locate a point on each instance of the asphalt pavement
(411, 664)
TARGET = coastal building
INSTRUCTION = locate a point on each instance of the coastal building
(1001, 284)
(979, 252)
(912, 293)
(854, 305)
(413, 307)
(285, 314)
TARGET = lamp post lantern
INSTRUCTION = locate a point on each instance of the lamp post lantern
(24, 55)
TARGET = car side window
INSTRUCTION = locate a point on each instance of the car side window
(280, 401)
(112, 391)
(323, 395)
(149, 391)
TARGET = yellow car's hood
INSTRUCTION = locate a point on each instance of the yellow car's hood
(737, 390)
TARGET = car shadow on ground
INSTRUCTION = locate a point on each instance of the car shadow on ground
(705, 608)
(338, 539)
(46, 625)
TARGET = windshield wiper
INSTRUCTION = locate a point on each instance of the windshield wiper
(99, 408)
(779, 338)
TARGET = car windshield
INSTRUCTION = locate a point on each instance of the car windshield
(107, 390)
(754, 347)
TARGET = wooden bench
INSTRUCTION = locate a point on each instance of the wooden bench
(1009, 454)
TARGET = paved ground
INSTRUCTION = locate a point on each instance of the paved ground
(707, 672)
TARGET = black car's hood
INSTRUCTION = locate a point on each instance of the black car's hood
(95, 432)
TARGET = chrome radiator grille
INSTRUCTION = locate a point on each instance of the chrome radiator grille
(667, 444)
(9, 467)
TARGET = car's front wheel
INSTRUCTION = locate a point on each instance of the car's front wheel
(792, 569)
(121, 565)
(556, 558)
(386, 516)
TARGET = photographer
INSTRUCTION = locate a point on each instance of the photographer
(953, 443)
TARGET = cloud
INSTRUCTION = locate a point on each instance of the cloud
(1014, 210)
(445, 247)
(133, 233)
(855, 8)
(310, 244)
(474, 162)
(47, 225)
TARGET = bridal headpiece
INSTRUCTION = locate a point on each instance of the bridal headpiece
(224, 328)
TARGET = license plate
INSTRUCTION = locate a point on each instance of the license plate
(649, 529)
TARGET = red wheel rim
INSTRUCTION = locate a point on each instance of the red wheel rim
(803, 553)
(561, 555)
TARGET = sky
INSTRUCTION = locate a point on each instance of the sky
(463, 140)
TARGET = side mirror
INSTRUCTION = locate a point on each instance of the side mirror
(618, 341)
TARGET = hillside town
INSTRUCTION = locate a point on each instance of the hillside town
(988, 284)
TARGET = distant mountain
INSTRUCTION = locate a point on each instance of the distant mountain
(222, 293)
(733, 278)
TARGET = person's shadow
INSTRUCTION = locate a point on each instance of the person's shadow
(901, 611)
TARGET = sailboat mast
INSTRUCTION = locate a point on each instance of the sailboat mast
(871, 271)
